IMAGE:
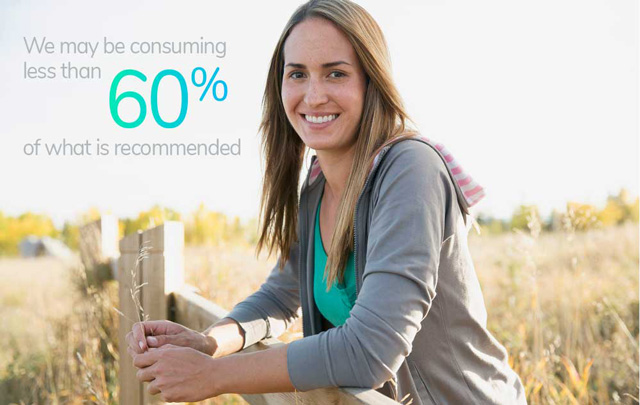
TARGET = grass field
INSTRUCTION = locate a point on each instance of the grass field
(565, 305)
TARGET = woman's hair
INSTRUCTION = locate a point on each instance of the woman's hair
(383, 119)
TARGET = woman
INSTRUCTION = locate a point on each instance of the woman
(373, 250)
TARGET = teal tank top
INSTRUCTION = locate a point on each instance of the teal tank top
(335, 304)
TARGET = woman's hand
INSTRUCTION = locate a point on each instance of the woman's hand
(178, 374)
(156, 334)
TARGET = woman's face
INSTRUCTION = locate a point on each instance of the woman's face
(323, 85)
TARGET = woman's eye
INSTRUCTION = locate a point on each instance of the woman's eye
(337, 74)
(296, 75)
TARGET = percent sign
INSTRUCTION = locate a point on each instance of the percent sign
(204, 80)
(114, 100)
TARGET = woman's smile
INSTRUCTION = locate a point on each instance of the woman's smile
(319, 121)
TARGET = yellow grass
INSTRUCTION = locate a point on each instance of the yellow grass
(50, 321)
(565, 305)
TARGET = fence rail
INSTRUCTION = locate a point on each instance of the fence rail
(166, 296)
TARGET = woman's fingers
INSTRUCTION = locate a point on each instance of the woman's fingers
(145, 374)
(157, 341)
(162, 340)
(163, 327)
(140, 331)
(152, 389)
(145, 359)
(129, 339)
(139, 336)
(133, 343)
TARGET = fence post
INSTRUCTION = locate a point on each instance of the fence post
(163, 270)
(162, 273)
(130, 388)
(98, 246)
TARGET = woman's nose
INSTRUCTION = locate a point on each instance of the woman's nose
(316, 93)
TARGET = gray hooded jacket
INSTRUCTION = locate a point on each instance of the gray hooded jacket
(419, 318)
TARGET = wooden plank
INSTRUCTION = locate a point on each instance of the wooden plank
(198, 313)
(109, 232)
(90, 245)
(194, 311)
(162, 272)
(166, 248)
(130, 388)
(98, 245)
(346, 396)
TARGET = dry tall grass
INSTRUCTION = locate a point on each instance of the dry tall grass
(565, 305)
(57, 345)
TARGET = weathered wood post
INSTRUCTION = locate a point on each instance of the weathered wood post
(98, 245)
(158, 254)
(130, 388)
(162, 273)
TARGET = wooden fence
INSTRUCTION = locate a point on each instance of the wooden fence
(166, 296)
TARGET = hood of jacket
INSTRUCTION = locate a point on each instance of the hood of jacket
(468, 191)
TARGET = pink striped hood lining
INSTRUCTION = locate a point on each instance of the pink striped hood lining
(470, 189)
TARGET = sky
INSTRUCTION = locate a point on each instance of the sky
(537, 100)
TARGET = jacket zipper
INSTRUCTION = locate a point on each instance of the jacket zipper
(303, 248)
(300, 268)
(394, 388)
(355, 216)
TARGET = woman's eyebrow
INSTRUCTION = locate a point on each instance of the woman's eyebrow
(324, 65)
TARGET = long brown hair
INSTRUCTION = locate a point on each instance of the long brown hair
(383, 119)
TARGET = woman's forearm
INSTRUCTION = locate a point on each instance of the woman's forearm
(225, 337)
(251, 373)
(246, 373)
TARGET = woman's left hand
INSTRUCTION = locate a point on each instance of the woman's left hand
(178, 374)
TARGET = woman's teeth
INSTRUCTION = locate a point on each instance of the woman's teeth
(320, 120)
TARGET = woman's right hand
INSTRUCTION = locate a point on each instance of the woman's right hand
(148, 334)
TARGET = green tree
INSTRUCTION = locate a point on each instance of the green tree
(148, 219)
(581, 216)
(14, 229)
(205, 227)
(619, 208)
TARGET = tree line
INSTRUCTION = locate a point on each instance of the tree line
(206, 227)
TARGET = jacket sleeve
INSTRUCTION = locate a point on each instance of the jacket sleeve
(399, 280)
(273, 308)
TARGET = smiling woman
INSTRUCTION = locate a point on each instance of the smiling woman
(373, 248)
(324, 98)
